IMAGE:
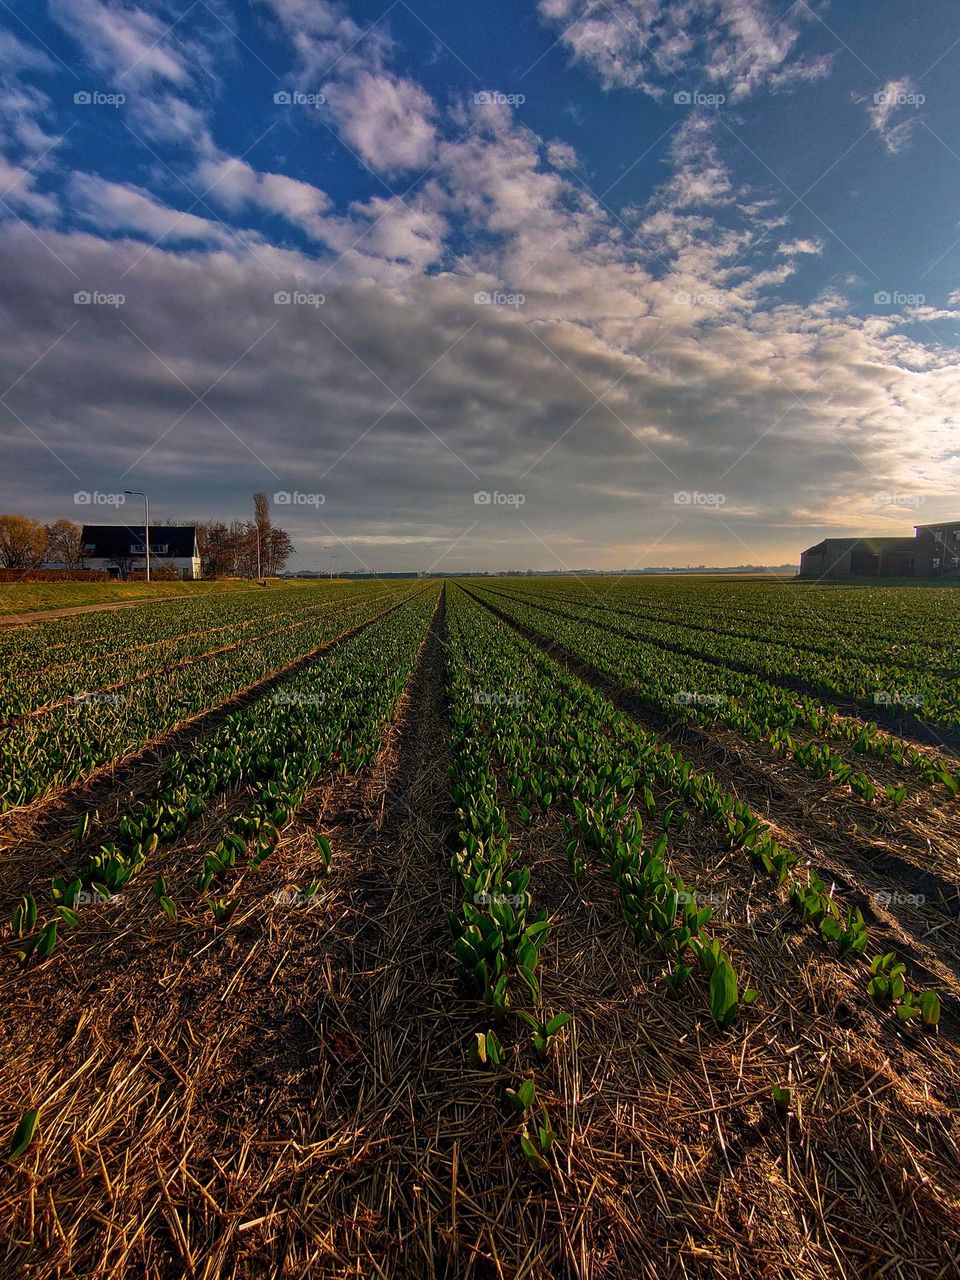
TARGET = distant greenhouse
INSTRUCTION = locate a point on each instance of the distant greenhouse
(933, 552)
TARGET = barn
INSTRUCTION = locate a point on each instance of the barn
(933, 552)
(121, 549)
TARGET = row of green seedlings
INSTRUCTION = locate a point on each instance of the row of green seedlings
(656, 905)
(367, 693)
(779, 709)
(30, 691)
(91, 696)
(740, 829)
(662, 637)
(811, 634)
(743, 831)
(107, 872)
(815, 632)
(769, 714)
(284, 745)
(495, 935)
(42, 754)
(558, 744)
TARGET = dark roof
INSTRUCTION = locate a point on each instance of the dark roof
(110, 541)
(864, 544)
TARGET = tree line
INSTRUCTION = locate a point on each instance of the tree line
(225, 549)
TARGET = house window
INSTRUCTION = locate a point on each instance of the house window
(139, 549)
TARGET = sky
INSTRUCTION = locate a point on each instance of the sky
(549, 284)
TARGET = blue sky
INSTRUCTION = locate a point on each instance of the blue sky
(673, 283)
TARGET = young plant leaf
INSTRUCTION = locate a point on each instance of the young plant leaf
(23, 1134)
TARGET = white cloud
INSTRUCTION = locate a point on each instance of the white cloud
(743, 45)
(234, 184)
(114, 206)
(17, 56)
(23, 109)
(894, 112)
(790, 248)
(386, 119)
(700, 176)
(327, 40)
(28, 149)
(18, 190)
(690, 402)
(124, 42)
(561, 155)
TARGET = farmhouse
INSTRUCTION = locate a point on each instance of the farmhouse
(121, 548)
(933, 552)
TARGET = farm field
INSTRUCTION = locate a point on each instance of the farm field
(33, 597)
(501, 927)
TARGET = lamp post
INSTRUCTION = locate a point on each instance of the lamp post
(138, 493)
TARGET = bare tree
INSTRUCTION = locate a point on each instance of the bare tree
(65, 543)
(279, 548)
(123, 565)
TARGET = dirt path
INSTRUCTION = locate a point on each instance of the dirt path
(47, 615)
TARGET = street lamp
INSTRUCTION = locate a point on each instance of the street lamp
(138, 493)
